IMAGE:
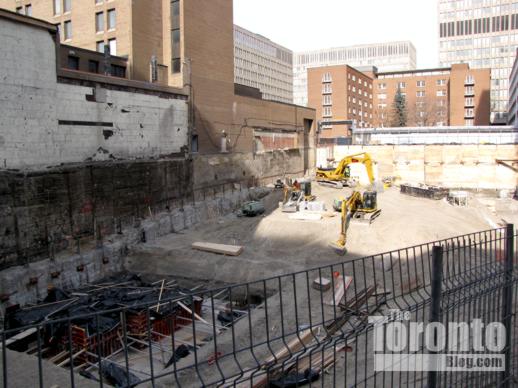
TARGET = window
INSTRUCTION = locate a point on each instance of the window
(441, 82)
(67, 5)
(99, 22)
(93, 66)
(326, 100)
(28, 10)
(327, 77)
(469, 112)
(327, 112)
(469, 101)
(401, 85)
(441, 93)
(112, 19)
(420, 93)
(382, 86)
(19, 10)
(354, 78)
(113, 46)
(470, 80)
(118, 71)
(421, 84)
(73, 62)
(57, 7)
(382, 96)
(176, 61)
(98, 1)
(327, 88)
(469, 91)
(469, 122)
(68, 29)
(100, 46)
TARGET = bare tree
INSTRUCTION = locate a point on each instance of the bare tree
(428, 111)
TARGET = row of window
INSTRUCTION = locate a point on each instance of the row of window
(93, 66)
(479, 26)
(419, 93)
(112, 45)
(419, 84)
(99, 20)
(355, 53)
(62, 6)
(418, 104)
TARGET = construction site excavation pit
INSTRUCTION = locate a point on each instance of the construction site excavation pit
(174, 306)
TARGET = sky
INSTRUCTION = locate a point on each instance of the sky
(312, 24)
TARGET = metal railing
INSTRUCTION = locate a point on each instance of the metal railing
(287, 329)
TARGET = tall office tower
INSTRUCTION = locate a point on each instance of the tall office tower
(391, 56)
(263, 64)
(483, 33)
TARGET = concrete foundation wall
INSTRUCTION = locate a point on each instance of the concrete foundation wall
(451, 166)
(46, 123)
(99, 259)
(248, 168)
(44, 214)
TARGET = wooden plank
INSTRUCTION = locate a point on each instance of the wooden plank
(341, 285)
(296, 344)
(228, 250)
(305, 217)
(19, 336)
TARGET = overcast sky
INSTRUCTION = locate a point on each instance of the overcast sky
(312, 24)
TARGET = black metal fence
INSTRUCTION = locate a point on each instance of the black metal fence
(310, 327)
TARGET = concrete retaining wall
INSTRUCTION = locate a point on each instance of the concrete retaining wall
(452, 166)
(248, 168)
(106, 258)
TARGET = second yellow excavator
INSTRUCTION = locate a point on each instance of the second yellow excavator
(341, 174)
(364, 208)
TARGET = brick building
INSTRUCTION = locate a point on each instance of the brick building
(456, 96)
(341, 93)
(193, 43)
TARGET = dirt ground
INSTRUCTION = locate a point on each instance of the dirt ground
(275, 244)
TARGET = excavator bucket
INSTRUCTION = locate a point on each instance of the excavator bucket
(339, 249)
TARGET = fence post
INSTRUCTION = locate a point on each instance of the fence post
(435, 313)
(507, 304)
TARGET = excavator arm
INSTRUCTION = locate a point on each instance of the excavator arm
(340, 172)
(349, 206)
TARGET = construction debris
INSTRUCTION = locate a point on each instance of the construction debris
(228, 250)
(458, 198)
(322, 284)
(341, 284)
(424, 191)
(252, 209)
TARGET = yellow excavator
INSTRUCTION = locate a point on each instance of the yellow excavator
(362, 208)
(341, 174)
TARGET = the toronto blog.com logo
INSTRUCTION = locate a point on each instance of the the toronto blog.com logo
(403, 345)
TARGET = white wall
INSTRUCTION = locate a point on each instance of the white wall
(32, 103)
(451, 166)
